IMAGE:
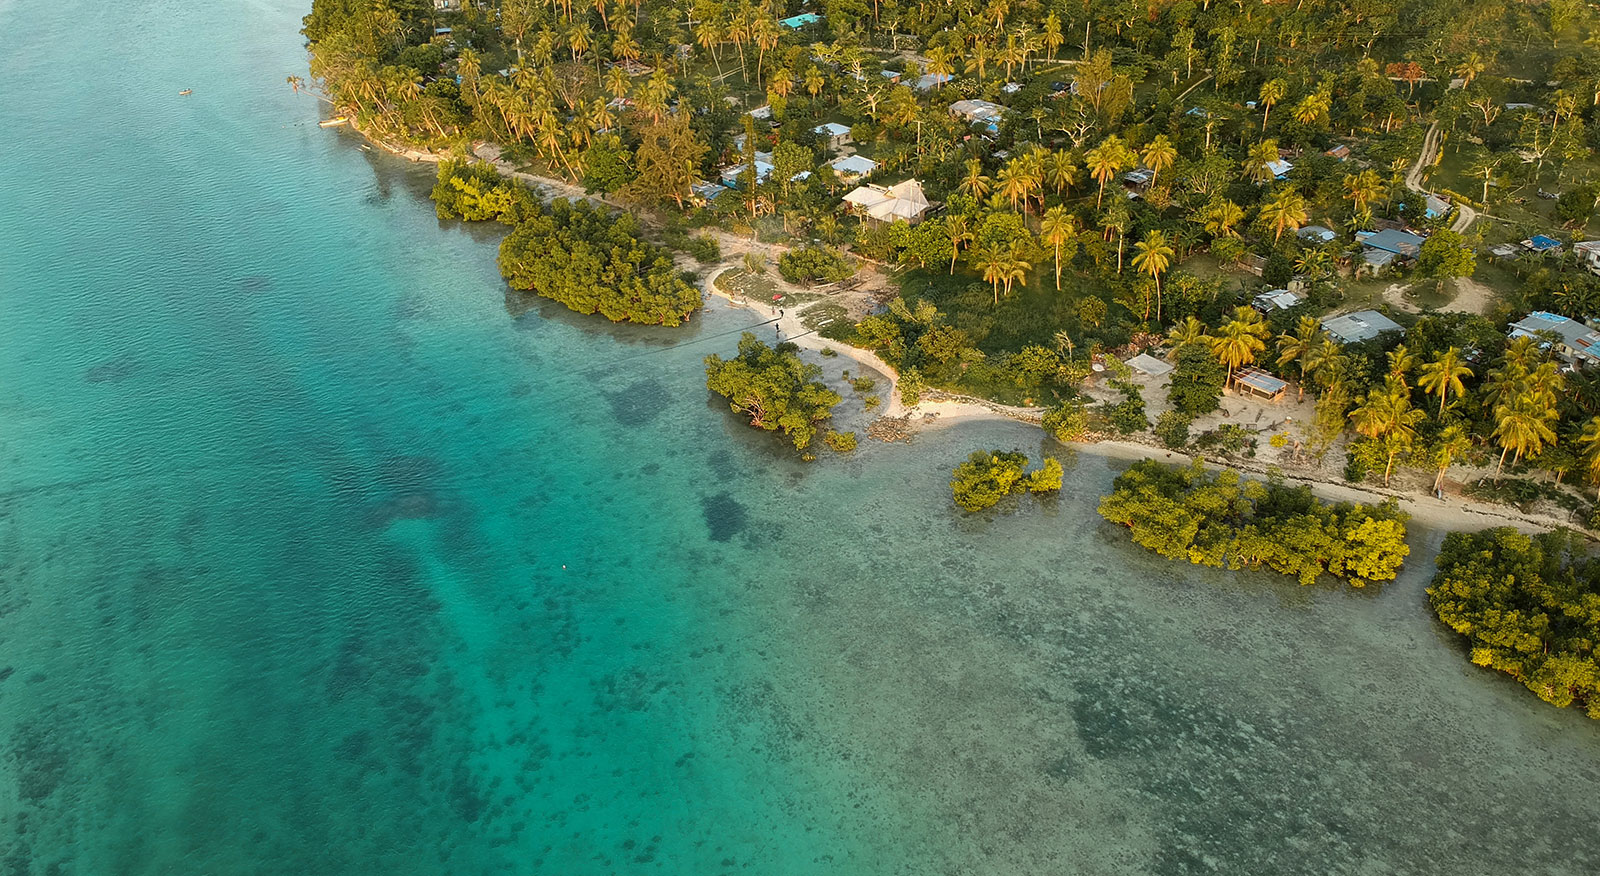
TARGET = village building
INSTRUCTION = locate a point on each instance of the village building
(796, 22)
(832, 135)
(1588, 254)
(1317, 235)
(1144, 363)
(853, 167)
(979, 112)
(1573, 341)
(901, 202)
(930, 81)
(1274, 300)
(1258, 383)
(1363, 325)
(1388, 248)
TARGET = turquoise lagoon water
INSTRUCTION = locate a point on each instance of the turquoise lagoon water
(318, 554)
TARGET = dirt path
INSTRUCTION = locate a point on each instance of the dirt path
(1429, 155)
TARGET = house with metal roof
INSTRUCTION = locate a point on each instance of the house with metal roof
(798, 21)
(930, 81)
(1258, 383)
(852, 167)
(1540, 243)
(832, 134)
(901, 202)
(979, 112)
(1274, 299)
(1588, 254)
(1317, 234)
(1571, 340)
(1435, 206)
(1144, 363)
(1279, 168)
(1363, 325)
(1389, 247)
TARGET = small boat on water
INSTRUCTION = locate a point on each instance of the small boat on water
(334, 122)
(186, 92)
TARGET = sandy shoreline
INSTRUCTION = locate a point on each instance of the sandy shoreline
(1456, 513)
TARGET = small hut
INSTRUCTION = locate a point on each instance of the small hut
(1258, 383)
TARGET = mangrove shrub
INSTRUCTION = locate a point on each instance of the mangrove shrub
(1529, 607)
(1217, 519)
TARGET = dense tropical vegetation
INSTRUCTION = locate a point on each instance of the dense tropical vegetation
(594, 262)
(987, 476)
(776, 389)
(1529, 607)
(1142, 169)
(1218, 519)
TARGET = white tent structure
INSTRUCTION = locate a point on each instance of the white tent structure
(901, 202)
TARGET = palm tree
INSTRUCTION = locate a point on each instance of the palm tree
(1522, 423)
(1401, 361)
(1272, 91)
(1362, 189)
(1237, 344)
(959, 230)
(1255, 164)
(814, 81)
(1059, 171)
(1105, 162)
(1451, 445)
(764, 31)
(1013, 183)
(1220, 216)
(1386, 415)
(1298, 346)
(1153, 257)
(1590, 441)
(1055, 229)
(1159, 155)
(1444, 374)
(1190, 331)
(1013, 267)
(1312, 108)
(992, 262)
(975, 183)
(1286, 212)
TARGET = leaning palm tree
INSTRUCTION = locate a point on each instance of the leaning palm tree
(1272, 91)
(1056, 228)
(1443, 375)
(1153, 257)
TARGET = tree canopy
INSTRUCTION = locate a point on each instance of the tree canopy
(593, 262)
(1218, 519)
(988, 476)
(775, 388)
(1529, 606)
